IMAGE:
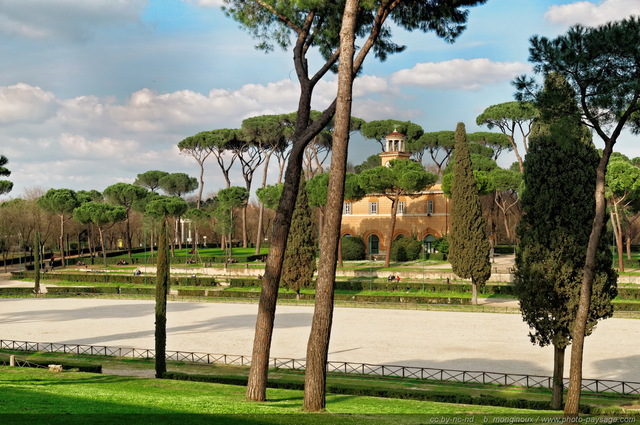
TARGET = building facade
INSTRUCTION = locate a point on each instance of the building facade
(424, 215)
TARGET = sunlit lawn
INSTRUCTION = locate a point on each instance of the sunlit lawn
(71, 396)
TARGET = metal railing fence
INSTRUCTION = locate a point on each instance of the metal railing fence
(412, 372)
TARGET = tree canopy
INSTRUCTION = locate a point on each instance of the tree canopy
(555, 227)
(509, 118)
(150, 179)
(5, 185)
(602, 65)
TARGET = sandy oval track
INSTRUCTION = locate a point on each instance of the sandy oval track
(462, 341)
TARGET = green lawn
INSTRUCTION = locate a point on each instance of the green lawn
(73, 397)
(204, 252)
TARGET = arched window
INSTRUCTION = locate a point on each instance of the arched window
(374, 245)
(428, 243)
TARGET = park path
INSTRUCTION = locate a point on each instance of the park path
(461, 341)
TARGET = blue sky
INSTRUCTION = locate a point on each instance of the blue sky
(95, 92)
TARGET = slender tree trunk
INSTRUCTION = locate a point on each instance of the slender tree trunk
(571, 408)
(627, 239)
(257, 383)
(104, 248)
(617, 231)
(259, 232)
(392, 229)
(61, 240)
(199, 201)
(128, 236)
(558, 377)
(162, 289)
(474, 293)
(261, 212)
(245, 240)
(515, 151)
(36, 263)
(318, 346)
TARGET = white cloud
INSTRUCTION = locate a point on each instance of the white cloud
(65, 19)
(458, 74)
(24, 103)
(589, 14)
(77, 146)
(369, 84)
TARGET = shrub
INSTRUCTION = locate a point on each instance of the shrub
(353, 248)
(405, 249)
(442, 246)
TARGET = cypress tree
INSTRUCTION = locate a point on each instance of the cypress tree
(559, 208)
(470, 250)
(300, 256)
(162, 289)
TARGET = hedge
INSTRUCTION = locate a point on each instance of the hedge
(15, 291)
(124, 278)
(361, 390)
(629, 293)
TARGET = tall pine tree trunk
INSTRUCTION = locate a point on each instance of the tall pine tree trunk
(318, 346)
(257, 383)
(162, 289)
(558, 377)
(571, 408)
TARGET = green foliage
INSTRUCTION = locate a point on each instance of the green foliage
(497, 142)
(150, 179)
(507, 115)
(377, 130)
(166, 206)
(99, 214)
(484, 183)
(317, 190)
(124, 194)
(5, 185)
(480, 150)
(442, 245)
(556, 224)
(88, 196)
(270, 195)
(300, 256)
(178, 184)
(59, 201)
(371, 162)
(594, 56)
(470, 249)
(405, 249)
(400, 177)
(353, 248)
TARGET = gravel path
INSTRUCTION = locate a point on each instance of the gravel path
(462, 341)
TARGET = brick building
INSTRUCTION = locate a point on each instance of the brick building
(425, 216)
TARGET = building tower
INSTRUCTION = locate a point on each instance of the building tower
(395, 148)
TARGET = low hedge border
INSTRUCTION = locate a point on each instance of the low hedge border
(403, 299)
(378, 285)
(5, 292)
(356, 390)
(122, 278)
